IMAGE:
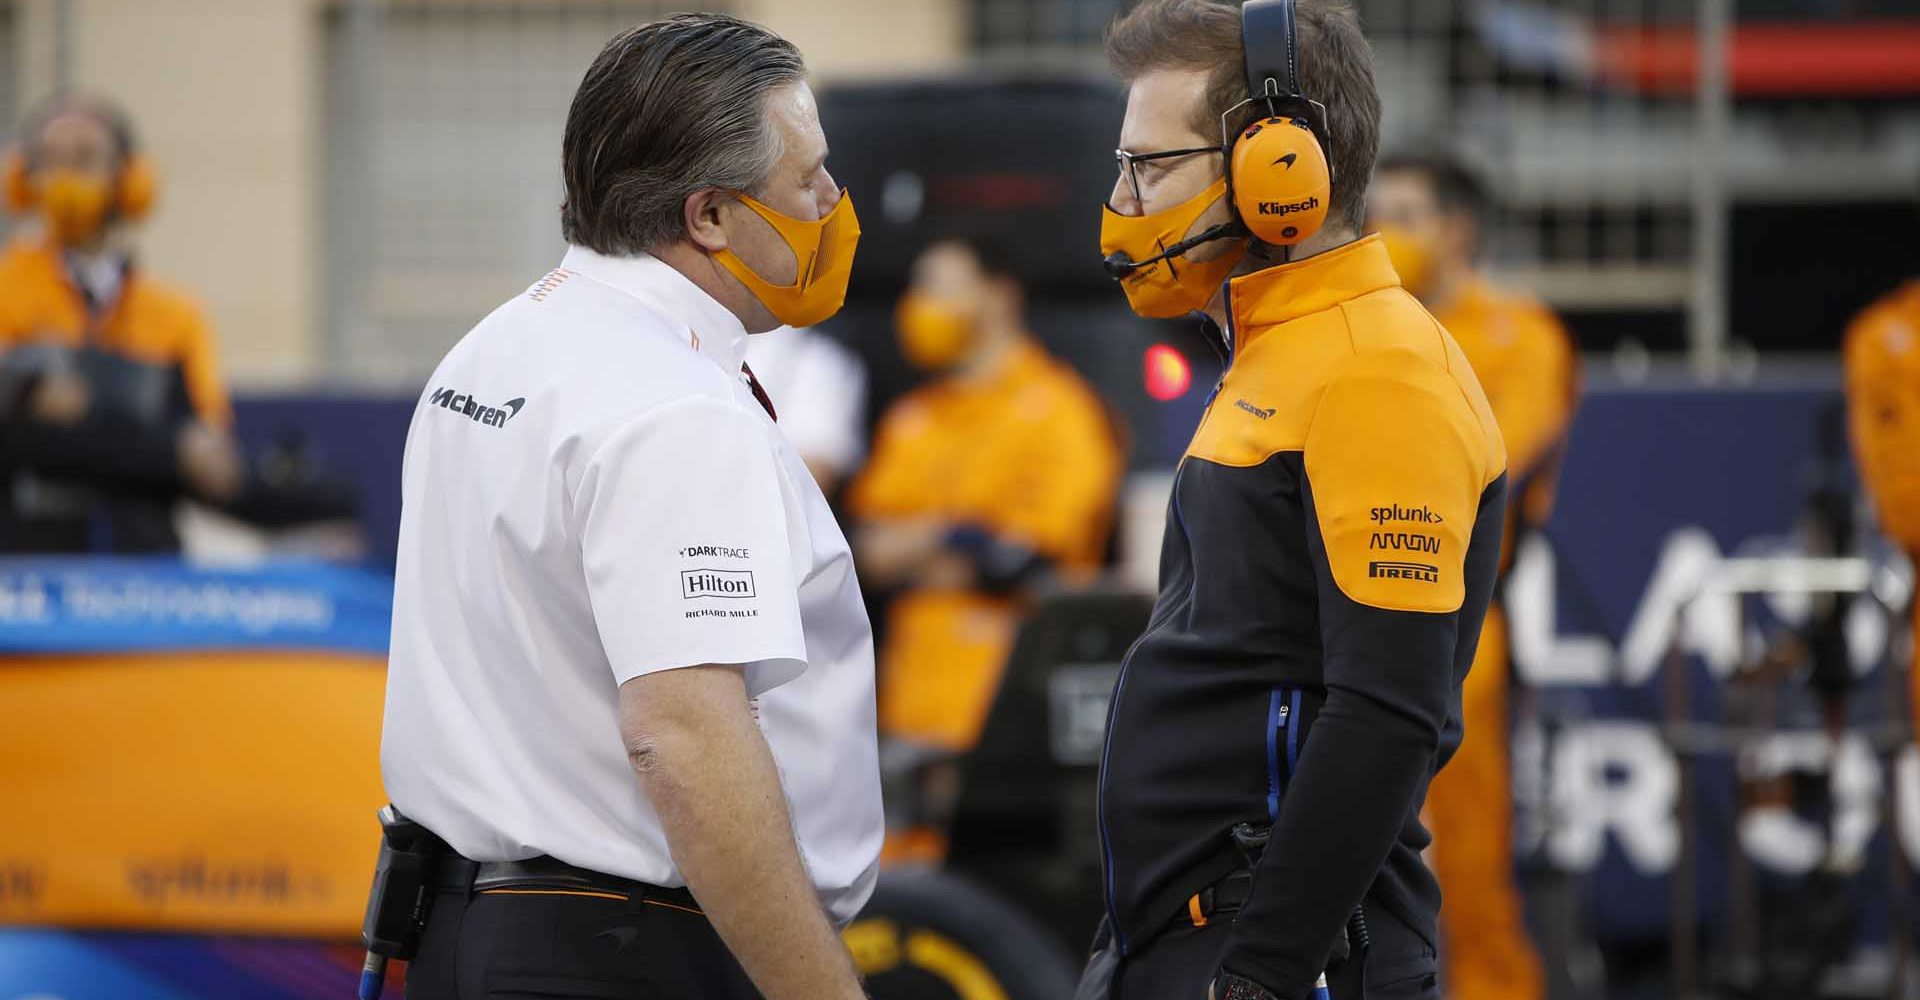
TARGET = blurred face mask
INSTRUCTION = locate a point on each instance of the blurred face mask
(822, 249)
(1171, 288)
(75, 204)
(1412, 257)
(934, 336)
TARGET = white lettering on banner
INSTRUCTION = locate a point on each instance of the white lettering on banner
(1540, 653)
(1907, 822)
(1618, 778)
(24, 600)
(1711, 628)
(1777, 838)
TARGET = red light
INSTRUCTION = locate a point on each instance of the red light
(1169, 376)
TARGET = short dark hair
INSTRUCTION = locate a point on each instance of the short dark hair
(666, 109)
(111, 116)
(1457, 188)
(1336, 69)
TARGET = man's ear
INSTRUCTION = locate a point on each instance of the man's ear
(701, 213)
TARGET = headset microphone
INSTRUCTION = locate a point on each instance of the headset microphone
(1119, 265)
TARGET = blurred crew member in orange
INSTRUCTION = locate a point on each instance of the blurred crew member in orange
(1431, 211)
(1003, 467)
(1331, 543)
(1883, 415)
(115, 404)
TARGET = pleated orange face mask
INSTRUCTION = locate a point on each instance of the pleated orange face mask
(76, 205)
(1174, 286)
(823, 250)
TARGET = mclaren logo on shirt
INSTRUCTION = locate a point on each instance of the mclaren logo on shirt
(1420, 572)
(480, 413)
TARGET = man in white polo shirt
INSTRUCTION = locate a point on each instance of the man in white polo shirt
(632, 677)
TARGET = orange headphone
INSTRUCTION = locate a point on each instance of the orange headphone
(1279, 179)
(135, 185)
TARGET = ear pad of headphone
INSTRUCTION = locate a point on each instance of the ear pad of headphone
(138, 188)
(19, 183)
(1281, 184)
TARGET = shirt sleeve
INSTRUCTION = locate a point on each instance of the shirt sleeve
(1063, 506)
(1397, 468)
(688, 546)
(892, 484)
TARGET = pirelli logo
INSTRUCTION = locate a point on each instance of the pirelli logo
(1420, 572)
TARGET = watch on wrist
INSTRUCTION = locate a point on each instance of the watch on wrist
(1232, 987)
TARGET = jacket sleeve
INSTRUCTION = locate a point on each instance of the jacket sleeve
(1396, 463)
(200, 366)
(1883, 418)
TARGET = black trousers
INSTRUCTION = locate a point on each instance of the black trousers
(570, 944)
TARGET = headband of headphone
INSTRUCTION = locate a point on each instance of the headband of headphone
(1279, 172)
(136, 186)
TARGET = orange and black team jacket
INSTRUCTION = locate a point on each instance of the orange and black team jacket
(1331, 546)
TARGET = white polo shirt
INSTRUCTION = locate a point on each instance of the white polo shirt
(592, 493)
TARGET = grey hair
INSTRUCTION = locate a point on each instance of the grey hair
(666, 109)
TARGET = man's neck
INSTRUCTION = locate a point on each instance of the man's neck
(719, 284)
(996, 349)
(1313, 246)
(1444, 289)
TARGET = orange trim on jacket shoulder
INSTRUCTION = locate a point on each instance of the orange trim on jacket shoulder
(1397, 459)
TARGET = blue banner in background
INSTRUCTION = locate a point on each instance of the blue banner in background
(97, 605)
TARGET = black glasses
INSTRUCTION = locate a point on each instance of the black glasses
(1129, 162)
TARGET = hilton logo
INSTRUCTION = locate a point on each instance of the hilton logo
(1404, 571)
(697, 583)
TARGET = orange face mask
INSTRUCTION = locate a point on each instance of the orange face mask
(1412, 258)
(934, 336)
(1166, 289)
(823, 250)
(75, 204)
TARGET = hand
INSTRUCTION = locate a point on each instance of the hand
(946, 570)
(61, 398)
(210, 463)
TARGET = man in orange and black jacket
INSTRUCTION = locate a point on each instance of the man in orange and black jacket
(111, 402)
(1331, 546)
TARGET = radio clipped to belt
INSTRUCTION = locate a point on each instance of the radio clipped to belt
(402, 891)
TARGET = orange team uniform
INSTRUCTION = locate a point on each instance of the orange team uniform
(150, 323)
(1529, 368)
(1883, 415)
(1029, 456)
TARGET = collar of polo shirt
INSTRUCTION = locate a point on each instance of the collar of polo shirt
(711, 328)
